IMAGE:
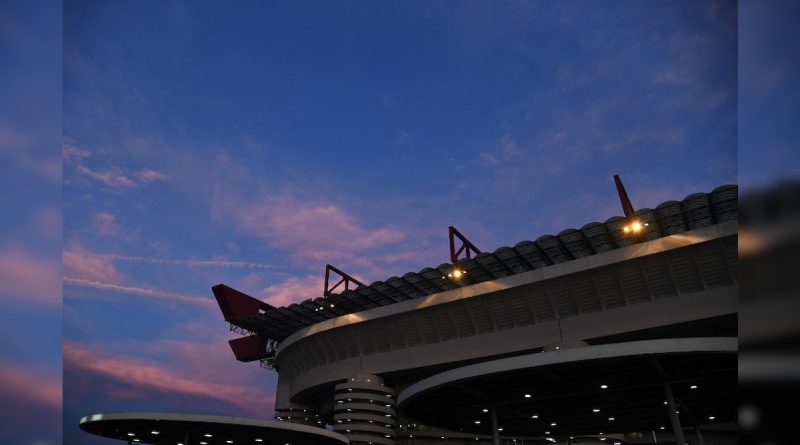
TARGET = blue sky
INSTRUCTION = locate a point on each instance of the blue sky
(253, 144)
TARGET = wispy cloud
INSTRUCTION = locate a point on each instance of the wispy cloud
(150, 175)
(310, 231)
(81, 264)
(18, 381)
(25, 274)
(293, 290)
(185, 262)
(113, 177)
(147, 375)
(105, 224)
(147, 292)
(70, 151)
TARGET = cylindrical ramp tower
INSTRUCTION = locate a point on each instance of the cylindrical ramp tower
(365, 411)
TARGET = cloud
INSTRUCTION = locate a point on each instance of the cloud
(149, 175)
(310, 231)
(294, 290)
(82, 265)
(143, 375)
(113, 177)
(185, 262)
(18, 381)
(147, 292)
(105, 224)
(70, 151)
(28, 275)
(120, 179)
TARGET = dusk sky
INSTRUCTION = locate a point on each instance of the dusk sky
(251, 143)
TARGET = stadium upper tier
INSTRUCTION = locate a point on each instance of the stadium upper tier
(275, 324)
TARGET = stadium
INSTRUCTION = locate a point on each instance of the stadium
(621, 332)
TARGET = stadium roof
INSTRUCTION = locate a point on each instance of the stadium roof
(275, 324)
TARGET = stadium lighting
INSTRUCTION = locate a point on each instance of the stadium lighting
(535, 416)
(603, 386)
(528, 396)
(635, 227)
(457, 273)
(477, 422)
(486, 410)
(596, 410)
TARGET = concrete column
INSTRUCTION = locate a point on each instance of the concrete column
(495, 432)
(186, 438)
(677, 430)
(365, 410)
(654, 437)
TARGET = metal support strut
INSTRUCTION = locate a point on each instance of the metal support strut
(346, 279)
(466, 246)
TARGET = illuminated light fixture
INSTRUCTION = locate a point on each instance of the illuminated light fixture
(203, 443)
(661, 428)
(388, 406)
(535, 416)
(349, 410)
(442, 437)
(477, 422)
(711, 417)
(596, 410)
(410, 435)
(600, 434)
(388, 436)
(259, 440)
(208, 435)
(603, 438)
(388, 426)
(665, 402)
(603, 386)
(499, 429)
(693, 387)
(457, 273)
(154, 432)
(228, 441)
(528, 396)
(486, 410)
(388, 415)
(611, 419)
(617, 443)
(131, 434)
(341, 401)
(547, 432)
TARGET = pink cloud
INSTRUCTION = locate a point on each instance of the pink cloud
(70, 151)
(294, 290)
(113, 177)
(82, 265)
(27, 382)
(149, 175)
(25, 274)
(149, 375)
(105, 224)
(308, 230)
(147, 292)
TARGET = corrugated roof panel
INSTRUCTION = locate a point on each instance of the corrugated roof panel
(493, 265)
(577, 244)
(554, 249)
(532, 254)
(512, 260)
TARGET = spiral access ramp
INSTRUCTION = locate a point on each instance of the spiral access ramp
(365, 410)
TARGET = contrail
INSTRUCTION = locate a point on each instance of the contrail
(180, 262)
(193, 299)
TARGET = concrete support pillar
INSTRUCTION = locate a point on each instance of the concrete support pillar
(495, 432)
(186, 438)
(677, 430)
